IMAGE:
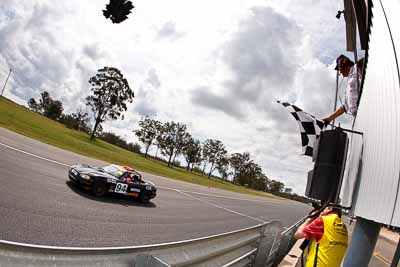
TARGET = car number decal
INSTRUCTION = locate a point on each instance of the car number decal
(121, 188)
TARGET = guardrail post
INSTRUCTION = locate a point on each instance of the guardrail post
(268, 245)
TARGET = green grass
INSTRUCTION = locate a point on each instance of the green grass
(19, 119)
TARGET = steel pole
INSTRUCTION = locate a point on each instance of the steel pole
(4, 87)
(362, 244)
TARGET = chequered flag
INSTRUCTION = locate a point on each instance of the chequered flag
(310, 127)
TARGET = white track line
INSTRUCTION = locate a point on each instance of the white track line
(36, 156)
(215, 205)
(221, 196)
(67, 165)
(177, 190)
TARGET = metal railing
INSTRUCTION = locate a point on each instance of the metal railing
(287, 241)
(261, 245)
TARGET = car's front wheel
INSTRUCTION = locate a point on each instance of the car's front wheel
(99, 189)
(144, 198)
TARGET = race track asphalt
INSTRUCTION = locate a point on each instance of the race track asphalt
(39, 206)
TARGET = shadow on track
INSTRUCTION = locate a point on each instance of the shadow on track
(109, 198)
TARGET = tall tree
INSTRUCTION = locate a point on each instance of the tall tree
(54, 110)
(170, 139)
(82, 119)
(148, 132)
(222, 166)
(182, 139)
(159, 136)
(49, 107)
(276, 186)
(237, 161)
(76, 121)
(191, 152)
(204, 156)
(213, 150)
(248, 172)
(110, 92)
(32, 104)
(198, 157)
(45, 101)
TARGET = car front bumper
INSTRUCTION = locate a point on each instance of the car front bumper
(78, 179)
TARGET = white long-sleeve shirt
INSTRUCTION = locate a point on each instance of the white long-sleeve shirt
(352, 91)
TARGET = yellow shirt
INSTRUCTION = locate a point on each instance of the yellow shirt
(332, 245)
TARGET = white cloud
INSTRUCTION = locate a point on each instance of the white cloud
(169, 31)
(217, 66)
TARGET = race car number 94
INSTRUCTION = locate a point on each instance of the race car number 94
(121, 188)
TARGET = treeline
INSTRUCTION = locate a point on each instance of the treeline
(172, 139)
(53, 109)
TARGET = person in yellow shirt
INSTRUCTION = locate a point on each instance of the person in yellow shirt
(329, 238)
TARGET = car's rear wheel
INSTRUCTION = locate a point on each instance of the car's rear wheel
(99, 189)
(144, 198)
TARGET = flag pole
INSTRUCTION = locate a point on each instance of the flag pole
(4, 87)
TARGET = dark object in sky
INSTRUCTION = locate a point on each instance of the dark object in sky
(339, 13)
(118, 10)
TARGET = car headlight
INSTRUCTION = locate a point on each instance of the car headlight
(85, 176)
(148, 187)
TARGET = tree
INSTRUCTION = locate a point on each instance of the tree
(182, 139)
(222, 166)
(114, 139)
(276, 186)
(54, 109)
(260, 182)
(191, 152)
(82, 119)
(288, 190)
(32, 104)
(204, 157)
(249, 172)
(118, 10)
(159, 135)
(45, 101)
(148, 132)
(237, 161)
(49, 107)
(134, 147)
(110, 92)
(213, 151)
(171, 139)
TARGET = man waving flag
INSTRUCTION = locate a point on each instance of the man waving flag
(310, 127)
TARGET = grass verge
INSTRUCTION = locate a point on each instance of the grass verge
(19, 119)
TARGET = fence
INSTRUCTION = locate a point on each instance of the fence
(262, 245)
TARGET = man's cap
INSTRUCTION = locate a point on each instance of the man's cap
(342, 61)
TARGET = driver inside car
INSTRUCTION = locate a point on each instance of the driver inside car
(126, 178)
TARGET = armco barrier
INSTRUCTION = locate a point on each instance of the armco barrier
(254, 246)
(287, 241)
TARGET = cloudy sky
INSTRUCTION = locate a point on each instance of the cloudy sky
(217, 66)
